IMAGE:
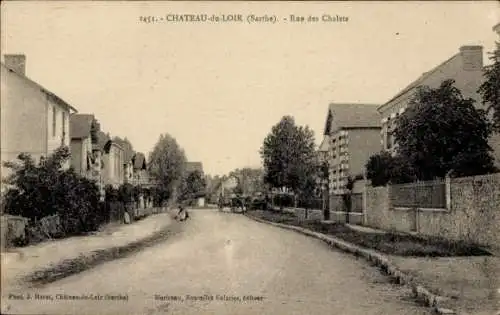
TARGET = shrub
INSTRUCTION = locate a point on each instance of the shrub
(43, 189)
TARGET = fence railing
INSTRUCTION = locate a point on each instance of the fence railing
(428, 194)
(357, 202)
(315, 204)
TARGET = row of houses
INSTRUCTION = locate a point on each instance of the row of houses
(354, 132)
(36, 121)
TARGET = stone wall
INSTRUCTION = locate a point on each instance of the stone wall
(312, 215)
(12, 229)
(473, 213)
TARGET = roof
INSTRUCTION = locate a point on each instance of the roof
(324, 146)
(80, 125)
(128, 152)
(496, 28)
(53, 96)
(102, 140)
(352, 115)
(194, 166)
(420, 80)
(139, 161)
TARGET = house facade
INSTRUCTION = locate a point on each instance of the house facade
(465, 67)
(352, 132)
(82, 156)
(140, 175)
(33, 119)
(112, 158)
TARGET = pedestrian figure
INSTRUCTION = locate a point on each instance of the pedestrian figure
(182, 214)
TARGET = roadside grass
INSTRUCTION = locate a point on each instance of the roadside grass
(85, 262)
(391, 243)
(466, 275)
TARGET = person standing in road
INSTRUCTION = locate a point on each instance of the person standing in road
(183, 213)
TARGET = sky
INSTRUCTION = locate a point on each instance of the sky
(218, 88)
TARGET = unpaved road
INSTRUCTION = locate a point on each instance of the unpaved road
(223, 254)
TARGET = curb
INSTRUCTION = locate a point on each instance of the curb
(422, 294)
(71, 266)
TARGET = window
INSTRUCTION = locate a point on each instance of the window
(53, 121)
(63, 127)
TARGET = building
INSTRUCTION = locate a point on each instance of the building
(113, 171)
(33, 119)
(352, 132)
(82, 157)
(194, 166)
(465, 67)
(323, 150)
(140, 171)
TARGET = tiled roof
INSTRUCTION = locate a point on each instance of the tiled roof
(139, 161)
(420, 80)
(417, 82)
(128, 152)
(352, 116)
(53, 96)
(194, 166)
(80, 125)
(102, 140)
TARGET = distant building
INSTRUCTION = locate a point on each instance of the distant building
(465, 67)
(33, 119)
(352, 132)
(140, 171)
(113, 172)
(323, 149)
(82, 158)
(194, 166)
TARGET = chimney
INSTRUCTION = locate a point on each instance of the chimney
(17, 63)
(472, 57)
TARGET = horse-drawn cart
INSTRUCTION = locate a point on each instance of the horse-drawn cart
(235, 203)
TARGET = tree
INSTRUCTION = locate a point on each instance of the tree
(490, 89)
(193, 186)
(166, 164)
(46, 188)
(382, 168)
(442, 131)
(94, 130)
(250, 180)
(289, 156)
(378, 168)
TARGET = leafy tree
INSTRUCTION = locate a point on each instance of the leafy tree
(289, 156)
(127, 193)
(490, 89)
(378, 168)
(94, 130)
(441, 131)
(44, 189)
(193, 186)
(382, 168)
(166, 164)
(250, 180)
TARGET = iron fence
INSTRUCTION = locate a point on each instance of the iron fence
(427, 194)
(313, 203)
(357, 202)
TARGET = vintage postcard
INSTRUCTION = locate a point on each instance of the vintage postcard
(266, 157)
